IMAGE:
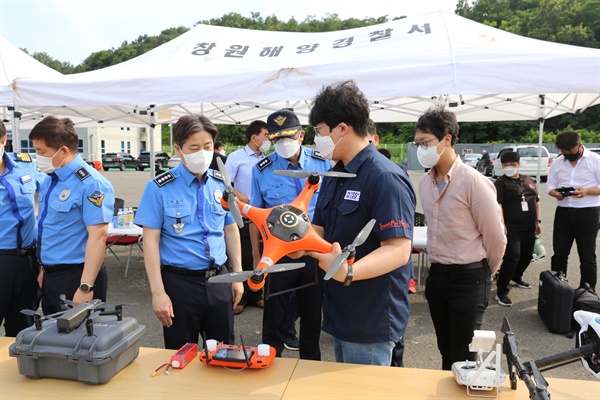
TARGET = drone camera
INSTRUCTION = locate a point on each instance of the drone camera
(482, 342)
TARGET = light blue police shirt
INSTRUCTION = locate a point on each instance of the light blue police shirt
(71, 199)
(270, 190)
(190, 218)
(239, 165)
(18, 185)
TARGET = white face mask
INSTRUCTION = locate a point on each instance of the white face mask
(510, 171)
(197, 163)
(45, 163)
(325, 144)
(429, 157)
(287, 147)
(265, 146)
(222, 152)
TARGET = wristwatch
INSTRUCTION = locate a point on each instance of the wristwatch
(349, 277)
(86, 287)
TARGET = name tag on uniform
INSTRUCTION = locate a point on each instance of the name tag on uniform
(524, 206)
(25, 179)
(352, 195)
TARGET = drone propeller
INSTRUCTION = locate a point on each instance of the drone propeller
(230, 195)
(245, 275)
(350, 249)
(294, 173)
(66, 302)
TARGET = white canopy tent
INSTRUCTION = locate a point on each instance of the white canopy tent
(403, 67)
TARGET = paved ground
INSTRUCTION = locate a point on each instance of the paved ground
(421, 352)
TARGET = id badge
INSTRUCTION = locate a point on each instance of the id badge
(524, 206)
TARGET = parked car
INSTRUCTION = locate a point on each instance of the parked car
(471, 159)
(160, 160)
(529, 161)
(174, 161)
(118, 160)
(484, 164)
(596, 150)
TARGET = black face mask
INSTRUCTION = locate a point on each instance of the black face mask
(572, 157)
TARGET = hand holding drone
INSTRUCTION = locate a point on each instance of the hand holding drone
(284, 229)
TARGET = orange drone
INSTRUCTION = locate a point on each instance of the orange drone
(285, 229)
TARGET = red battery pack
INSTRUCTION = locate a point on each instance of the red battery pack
(184, 355)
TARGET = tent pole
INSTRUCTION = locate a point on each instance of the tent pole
(541, 102)
(15, 116)
(151, 140)
(171, 137)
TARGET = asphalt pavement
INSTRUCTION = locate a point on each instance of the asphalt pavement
(534, 340)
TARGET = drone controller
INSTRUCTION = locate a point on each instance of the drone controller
(481, 374)
(237, 356)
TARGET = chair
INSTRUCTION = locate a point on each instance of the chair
(421, 253)
(124, 240)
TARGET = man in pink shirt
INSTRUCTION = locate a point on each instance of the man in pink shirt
(465, 236)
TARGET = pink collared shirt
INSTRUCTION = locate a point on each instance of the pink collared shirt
(464, 221)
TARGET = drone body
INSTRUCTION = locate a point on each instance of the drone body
(284, 229)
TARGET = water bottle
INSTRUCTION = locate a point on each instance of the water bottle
(120, 219)
(128, 218)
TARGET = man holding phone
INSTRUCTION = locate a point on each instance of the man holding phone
(578, 210)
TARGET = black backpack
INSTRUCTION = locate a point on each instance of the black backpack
(585, 299)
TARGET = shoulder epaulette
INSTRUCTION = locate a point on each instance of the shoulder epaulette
(24, 157)
(82, 173)
(317, 155)
(165, 178)
(264, 163)
(217, 174)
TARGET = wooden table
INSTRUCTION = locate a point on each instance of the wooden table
(285, 379)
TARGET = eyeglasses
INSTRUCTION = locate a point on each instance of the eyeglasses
(422, 143)
(318, 127)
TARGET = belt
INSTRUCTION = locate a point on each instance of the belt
(575, 209)
(206, 273)
(50, 269)
(27, 251)
(457, 267)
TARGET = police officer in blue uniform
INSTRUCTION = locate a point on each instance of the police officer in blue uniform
(76, 205)
(188, 237)
(269, 190)
(19, 186)
(365, 306)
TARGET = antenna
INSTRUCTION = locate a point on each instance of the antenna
(245, 352)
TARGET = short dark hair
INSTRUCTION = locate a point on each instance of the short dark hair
(190, 124)
(567, 140)
(219, 144)
(56, 133)
(510, 156)
(2, 130)
(341, 102)
(371, 127)
(386, 153)
(254, 129)
(438, 122)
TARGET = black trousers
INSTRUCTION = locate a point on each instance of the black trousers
(199, 307)
(67, 282)
(309, 302)
(249, 296)
(519, 249)
(457, 295)
(18, 291)
(580, 225)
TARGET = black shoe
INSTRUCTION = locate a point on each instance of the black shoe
(503, 300)
(292, 344)
(520, 283)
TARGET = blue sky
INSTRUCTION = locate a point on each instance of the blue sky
(70, 30)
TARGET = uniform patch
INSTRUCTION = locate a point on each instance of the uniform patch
(25, 179)
(352, 195)
(23, 157)
(82, 173)
(217, 174)
(317, 155)
(64, 195)
(264, 163)
(218, 196)
(163, 179)
(96, 198)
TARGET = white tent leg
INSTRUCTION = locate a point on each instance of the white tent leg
(15, 117)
